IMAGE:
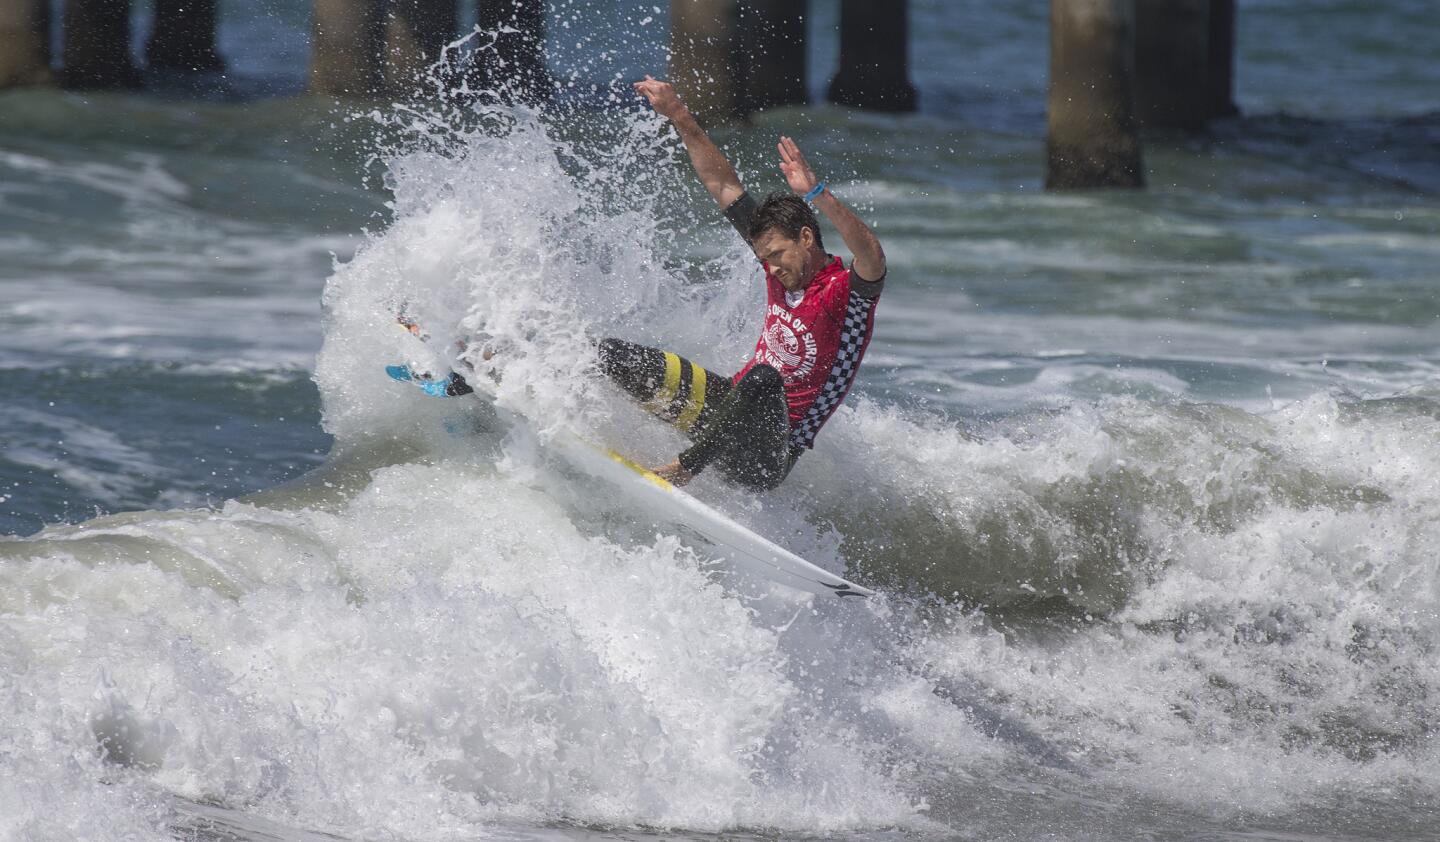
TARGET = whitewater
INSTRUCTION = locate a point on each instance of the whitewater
(1156, 530)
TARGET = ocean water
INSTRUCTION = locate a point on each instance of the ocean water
(1148, 481)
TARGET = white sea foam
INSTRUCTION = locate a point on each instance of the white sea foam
(491, 663)
(171, 281)
(1387, 241)
(91, 459)
(451, 645)
(142, 309)
(1254, 594)
(143, 180)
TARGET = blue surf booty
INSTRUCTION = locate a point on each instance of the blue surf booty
(429, 385)
(435, 388)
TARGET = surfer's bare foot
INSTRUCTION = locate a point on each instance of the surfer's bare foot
(674, 473)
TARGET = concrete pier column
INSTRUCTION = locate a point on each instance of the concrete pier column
(772, 39)
(97, 45)
(705, 64)
(347, 45)
(1172, 63)
(1092, 139)
(1221, 76)
(515, 67)
(415, 33)
(183, 37)
(874, 56)
(24, 43)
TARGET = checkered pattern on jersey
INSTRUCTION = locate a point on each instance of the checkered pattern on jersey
(854, 336)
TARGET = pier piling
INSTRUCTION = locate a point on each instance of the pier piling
(874, 57)
(1092, 139)
(514, 68)
(705, 58)
(97, 45)
(772, 63)
(1220, 43)
(1114, 64)
(182, 38)
(346, 49)
(1172, 62)
(368, 48)
(415, 33)
(24, 43)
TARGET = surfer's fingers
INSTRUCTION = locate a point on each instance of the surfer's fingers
(796, 156)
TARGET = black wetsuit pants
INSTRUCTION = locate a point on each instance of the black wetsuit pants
(742, 429)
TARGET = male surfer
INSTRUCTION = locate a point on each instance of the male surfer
(818, 321)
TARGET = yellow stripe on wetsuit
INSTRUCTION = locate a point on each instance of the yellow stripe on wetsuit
(662, 403)
(696, 401)
(665, 395)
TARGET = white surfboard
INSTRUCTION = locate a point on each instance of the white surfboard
(660, 499)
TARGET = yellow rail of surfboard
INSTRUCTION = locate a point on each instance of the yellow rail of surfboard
(639, 469)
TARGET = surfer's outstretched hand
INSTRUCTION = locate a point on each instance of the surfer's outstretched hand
(796, 169)
(661, 96)
(674, 473)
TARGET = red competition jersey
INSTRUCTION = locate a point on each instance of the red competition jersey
(816, 339)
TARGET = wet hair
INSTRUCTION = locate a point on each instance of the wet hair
(787, 214)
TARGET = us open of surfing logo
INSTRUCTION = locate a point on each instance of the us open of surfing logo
(789, 345)
(781, 345)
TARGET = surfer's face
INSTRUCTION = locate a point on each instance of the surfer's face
(790, 261)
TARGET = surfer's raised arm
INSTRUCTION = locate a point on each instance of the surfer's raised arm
(819, 316)
(863, 244)
(710, 163)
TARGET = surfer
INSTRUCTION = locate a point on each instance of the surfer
(819, 317)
